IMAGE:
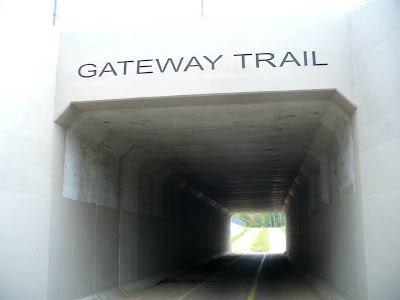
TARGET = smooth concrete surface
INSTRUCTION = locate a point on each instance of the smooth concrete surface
(325, 34)
(377, 71)
(113, 248)
(232, 277)
(29, 50)
(323, 233)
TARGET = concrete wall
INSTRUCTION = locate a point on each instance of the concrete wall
(375, 34)
(324, 228)
(119, 227)
(26, 133)
(326, 34)
(329, 226)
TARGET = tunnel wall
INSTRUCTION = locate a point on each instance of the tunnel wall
(120, 228)
(27, 94)
(324, 231)
(375, 34)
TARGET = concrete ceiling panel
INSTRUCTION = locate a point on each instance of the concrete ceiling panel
(243, 155)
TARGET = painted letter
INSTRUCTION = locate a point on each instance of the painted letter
(94, 72)
(169, 60)
(139, 65)
(106, 71)
(195, 65)
(314, 60)
(243, 59)
(271, 56)
(285, 59)
(212, 62)
(305, 58)
(125, 62)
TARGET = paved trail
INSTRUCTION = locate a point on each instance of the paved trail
(244, 243)
(244, 275)
(236, 276)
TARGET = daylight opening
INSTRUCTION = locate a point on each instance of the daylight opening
(258, 232)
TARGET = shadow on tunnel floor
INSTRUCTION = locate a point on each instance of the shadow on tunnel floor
(236, 276)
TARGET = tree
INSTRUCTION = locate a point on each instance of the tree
(262, 219)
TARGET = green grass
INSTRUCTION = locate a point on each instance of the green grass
(283, 228)
(261, 243)
(240, 234)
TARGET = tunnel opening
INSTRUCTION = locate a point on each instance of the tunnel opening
(258, 232)
(152, 184)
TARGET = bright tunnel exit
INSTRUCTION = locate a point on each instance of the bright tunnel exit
(258, 232)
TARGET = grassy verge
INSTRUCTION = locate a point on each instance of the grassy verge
(240, 234)
(261, 243)
(283, 229)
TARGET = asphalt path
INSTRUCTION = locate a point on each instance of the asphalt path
(236, 276)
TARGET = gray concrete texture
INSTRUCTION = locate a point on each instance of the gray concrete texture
(162, 191)
(131, 230)
(323, 235)
(239, 153)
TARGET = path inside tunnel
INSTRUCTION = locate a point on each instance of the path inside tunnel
(152, 188)
(235, 276)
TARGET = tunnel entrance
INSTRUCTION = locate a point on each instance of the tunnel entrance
(258, 232)
(157, 180)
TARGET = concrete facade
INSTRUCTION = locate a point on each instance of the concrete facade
(111, 183)
(378, 134)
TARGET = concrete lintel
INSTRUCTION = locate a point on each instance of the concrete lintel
(343, 102)
(69, 114)
(77, 107)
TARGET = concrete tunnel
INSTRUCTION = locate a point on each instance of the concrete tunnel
(157, 184)
(127, 148)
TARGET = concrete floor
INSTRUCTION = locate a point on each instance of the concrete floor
(234, 277)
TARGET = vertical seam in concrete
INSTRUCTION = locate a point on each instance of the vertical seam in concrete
(358, 196)
(356, 87)
(94, 256)
(95, 222)
(119, 248)
(120, 217)
(357, 162)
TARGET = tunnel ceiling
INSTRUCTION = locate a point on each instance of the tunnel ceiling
(243, 155)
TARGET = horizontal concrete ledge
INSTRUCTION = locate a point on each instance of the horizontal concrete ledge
(320, 286)
(119, 293)
(66, 117)
(344, 103)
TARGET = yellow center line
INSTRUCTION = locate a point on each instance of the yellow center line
(207, 279)
(255, 283)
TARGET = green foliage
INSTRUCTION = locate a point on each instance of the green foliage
(240, 234)
(283, 229)
(261, 243)
(262, 219)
